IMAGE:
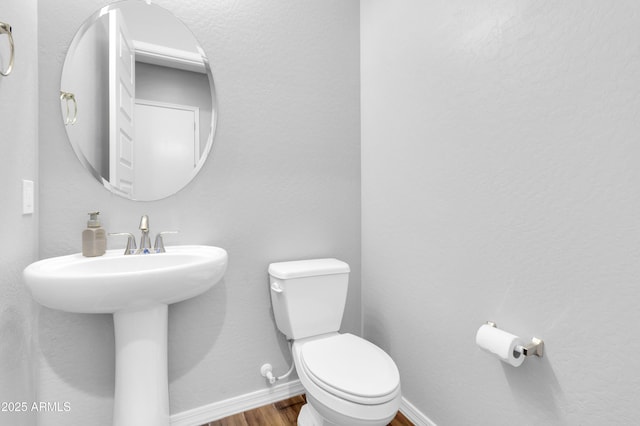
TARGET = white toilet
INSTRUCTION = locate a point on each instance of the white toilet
(348, 380)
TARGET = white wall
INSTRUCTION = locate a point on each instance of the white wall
(501, 182)
(283, 182)
(18, 248)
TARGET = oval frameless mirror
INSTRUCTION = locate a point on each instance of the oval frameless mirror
(138, 100)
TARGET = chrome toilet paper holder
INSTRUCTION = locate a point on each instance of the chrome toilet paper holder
(536, 347)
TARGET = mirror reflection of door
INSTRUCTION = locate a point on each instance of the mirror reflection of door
(121, 100)
(167, 147)
(154, 146)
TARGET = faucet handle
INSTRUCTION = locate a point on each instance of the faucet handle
(131, 241)
(158, 245)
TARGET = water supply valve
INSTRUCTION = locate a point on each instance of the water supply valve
(267, 371)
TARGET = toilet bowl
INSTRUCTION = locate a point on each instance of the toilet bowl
(348, 380)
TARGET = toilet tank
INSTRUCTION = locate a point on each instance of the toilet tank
(308, 296)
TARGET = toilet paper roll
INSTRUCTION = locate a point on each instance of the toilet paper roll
(500, 343)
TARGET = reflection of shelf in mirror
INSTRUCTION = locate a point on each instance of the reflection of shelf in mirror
(168, 57)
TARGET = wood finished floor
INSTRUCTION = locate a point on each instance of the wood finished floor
(281, 413)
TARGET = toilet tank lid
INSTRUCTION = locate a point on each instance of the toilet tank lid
(307, 268)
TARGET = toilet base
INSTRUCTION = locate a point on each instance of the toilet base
(310, 417)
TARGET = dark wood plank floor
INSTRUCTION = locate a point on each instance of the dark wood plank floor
(281, 413)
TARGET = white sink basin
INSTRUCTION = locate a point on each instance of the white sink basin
(113, 282)
(136, 289)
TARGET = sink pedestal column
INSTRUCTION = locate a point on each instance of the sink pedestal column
(142, 384)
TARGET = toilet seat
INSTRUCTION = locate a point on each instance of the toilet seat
(351, 368)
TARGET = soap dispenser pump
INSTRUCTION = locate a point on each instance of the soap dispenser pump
(94, 238)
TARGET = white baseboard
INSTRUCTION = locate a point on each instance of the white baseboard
(218, 410)
(416, 416)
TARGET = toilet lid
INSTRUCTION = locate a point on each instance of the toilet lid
(351, 366)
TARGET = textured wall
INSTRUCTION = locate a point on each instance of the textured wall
(282, 183)
(501, 182)
(18, 152)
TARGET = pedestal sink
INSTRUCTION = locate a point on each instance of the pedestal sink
(137, 290)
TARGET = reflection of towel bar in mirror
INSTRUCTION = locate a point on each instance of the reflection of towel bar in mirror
(66, 96)
(6, 29)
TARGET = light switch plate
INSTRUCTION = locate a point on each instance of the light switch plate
(27, 197)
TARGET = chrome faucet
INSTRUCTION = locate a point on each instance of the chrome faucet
(145, 240)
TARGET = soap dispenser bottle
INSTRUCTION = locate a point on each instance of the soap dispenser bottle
(94, 238)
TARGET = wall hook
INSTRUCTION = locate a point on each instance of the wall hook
(6, 29)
